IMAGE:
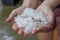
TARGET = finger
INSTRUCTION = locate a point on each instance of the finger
(20, 32)
(15, 27)
(11, 16)
(37, 29)
(33, 32)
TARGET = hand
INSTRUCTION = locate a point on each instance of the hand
(50, 18)
(14, 13)
(44, 9)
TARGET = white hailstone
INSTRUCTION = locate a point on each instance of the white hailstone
(29, 28)
(30, 19)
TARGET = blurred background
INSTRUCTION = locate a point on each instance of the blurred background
(6, 33)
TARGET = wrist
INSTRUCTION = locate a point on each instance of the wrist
(43, 7)
(52, 3)
(31, 3)
(24, 6)
(45, 4)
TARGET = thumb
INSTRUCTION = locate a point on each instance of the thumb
(11, 16)
(14, 13)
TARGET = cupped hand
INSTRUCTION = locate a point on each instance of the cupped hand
(50, 19)
(13, 14)
(45, 9)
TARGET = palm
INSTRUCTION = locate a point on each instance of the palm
(50, 18)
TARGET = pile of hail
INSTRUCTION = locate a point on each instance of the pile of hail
(30, 19)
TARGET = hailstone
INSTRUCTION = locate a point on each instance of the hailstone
(30, 19)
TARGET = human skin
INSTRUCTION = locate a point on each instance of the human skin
(47, 7)
(46, 4)
(31, 4)
(49, 4)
